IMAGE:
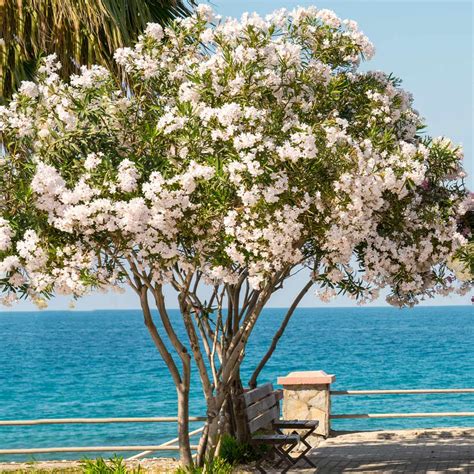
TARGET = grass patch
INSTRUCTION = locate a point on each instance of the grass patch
(216, 466)
(114, 465)
(239, 453)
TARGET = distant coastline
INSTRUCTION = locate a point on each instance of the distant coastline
(4, 310)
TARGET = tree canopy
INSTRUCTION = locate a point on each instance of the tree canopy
(264, 150)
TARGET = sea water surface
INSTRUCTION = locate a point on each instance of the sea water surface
(103, 364)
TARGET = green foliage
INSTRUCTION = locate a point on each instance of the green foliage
(114, 465)
(216, 466)
(462, 262)
(80, 32)
(238, 453)
(232, 453)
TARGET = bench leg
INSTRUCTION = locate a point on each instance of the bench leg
(284, 456)
(281, 453)
(259, 467)
(301, 455)
(305, 451)
(268, 456)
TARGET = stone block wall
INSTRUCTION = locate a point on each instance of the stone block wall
(306, 396)
(310, 402)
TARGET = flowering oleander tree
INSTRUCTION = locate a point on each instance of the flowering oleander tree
(239, 153)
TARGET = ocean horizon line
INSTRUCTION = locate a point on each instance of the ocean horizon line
(362, 307)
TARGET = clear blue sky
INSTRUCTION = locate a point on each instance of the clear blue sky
(429, 44)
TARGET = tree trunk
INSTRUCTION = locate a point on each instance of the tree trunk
(181, 382)
(208, 441)
(236, 411)
(200, 457)
(183, 426)
(227, 417)
(212, 436)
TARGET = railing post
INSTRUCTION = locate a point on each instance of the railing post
(306, 397)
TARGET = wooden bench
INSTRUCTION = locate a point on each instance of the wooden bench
(262, 409)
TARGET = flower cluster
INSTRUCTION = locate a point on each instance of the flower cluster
(236, 147)
(6, 235)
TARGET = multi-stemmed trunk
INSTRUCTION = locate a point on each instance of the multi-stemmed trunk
(217, 333)
(229, 419)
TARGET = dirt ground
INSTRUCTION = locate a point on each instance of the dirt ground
(151, 465)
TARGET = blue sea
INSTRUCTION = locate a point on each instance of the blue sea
(103, 364)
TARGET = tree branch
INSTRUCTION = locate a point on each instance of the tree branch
(279, 333)
(158, 341)
(173, 337)
(194, 341)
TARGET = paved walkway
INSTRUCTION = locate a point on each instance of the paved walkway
(402, 451)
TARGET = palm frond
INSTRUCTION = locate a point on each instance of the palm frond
(78, 31)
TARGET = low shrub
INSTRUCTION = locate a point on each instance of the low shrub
(216, 466)
(114, 465)
(239, 453)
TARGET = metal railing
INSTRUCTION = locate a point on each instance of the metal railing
(170, 445)
(145, 449)
(403, 392)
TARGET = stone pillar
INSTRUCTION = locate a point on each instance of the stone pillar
(306, 397)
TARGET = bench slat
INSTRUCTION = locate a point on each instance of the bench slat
(276, 439)
(261, 406)
(256, 394)
(296, 424)
(264, 419)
